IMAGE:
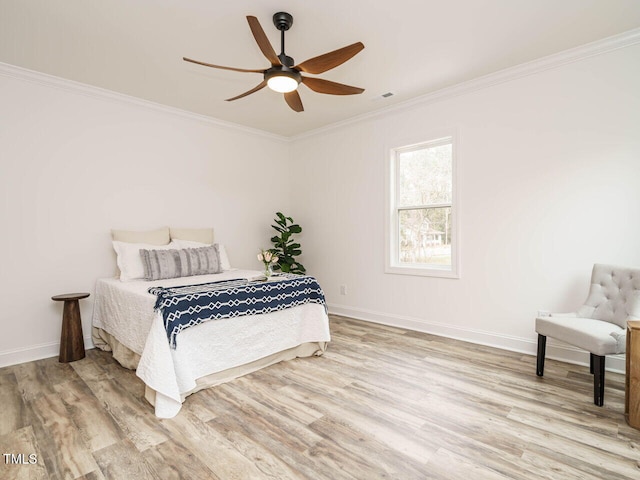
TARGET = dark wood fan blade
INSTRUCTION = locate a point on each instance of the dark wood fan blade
(221, 67)
(262, 40)
(330, 60)
(331, 88)
(260, 86)
(294, 101)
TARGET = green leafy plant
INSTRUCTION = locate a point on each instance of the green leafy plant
(285, 247)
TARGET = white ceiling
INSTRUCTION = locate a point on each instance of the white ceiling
(412, 47)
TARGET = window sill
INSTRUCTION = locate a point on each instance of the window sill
(422, 271)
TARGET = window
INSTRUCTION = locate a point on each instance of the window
(421, 220)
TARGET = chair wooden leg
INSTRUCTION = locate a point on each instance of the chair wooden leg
(542, 345)
(598, 380)
(591, 363)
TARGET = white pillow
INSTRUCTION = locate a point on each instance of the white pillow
(129, 259)
(224, 259)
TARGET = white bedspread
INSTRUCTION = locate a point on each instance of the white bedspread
(125, 310)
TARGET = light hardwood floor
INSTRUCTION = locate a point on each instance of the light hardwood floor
(381, 403)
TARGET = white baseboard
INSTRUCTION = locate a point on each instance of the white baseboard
(555, 350)
(35, 352)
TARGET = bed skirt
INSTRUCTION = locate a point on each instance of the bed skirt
(130, 359)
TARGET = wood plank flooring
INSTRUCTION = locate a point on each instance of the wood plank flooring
(381, 403)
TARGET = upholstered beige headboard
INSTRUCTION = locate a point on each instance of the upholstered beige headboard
(202, 235)
(159, 236)
(163, 235)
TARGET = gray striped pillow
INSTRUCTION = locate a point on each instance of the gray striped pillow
(159, 264)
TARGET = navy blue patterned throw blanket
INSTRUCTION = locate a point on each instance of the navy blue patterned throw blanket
(189, 305)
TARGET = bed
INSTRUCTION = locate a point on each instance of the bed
(207, 354)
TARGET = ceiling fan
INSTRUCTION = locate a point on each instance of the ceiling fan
(284, 75)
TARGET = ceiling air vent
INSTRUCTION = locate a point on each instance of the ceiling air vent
(384, 96)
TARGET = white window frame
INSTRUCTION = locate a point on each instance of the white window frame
(392, 263)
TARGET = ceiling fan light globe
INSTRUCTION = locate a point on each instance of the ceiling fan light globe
(282, 83)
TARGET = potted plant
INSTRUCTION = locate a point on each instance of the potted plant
(284, 246)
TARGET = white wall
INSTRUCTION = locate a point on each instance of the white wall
(549, 176)
(73, 166)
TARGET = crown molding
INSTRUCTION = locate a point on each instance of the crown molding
(599, 47)
(20, 73)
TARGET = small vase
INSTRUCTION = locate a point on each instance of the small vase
(268, 270)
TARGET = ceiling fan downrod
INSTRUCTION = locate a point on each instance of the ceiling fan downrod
(283, 22)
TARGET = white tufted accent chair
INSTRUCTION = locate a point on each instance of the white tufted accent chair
(600, 325)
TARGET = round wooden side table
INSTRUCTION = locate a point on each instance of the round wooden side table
(71, 339)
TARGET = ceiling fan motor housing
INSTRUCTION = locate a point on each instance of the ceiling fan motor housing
(286, 60)
(283, 71)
